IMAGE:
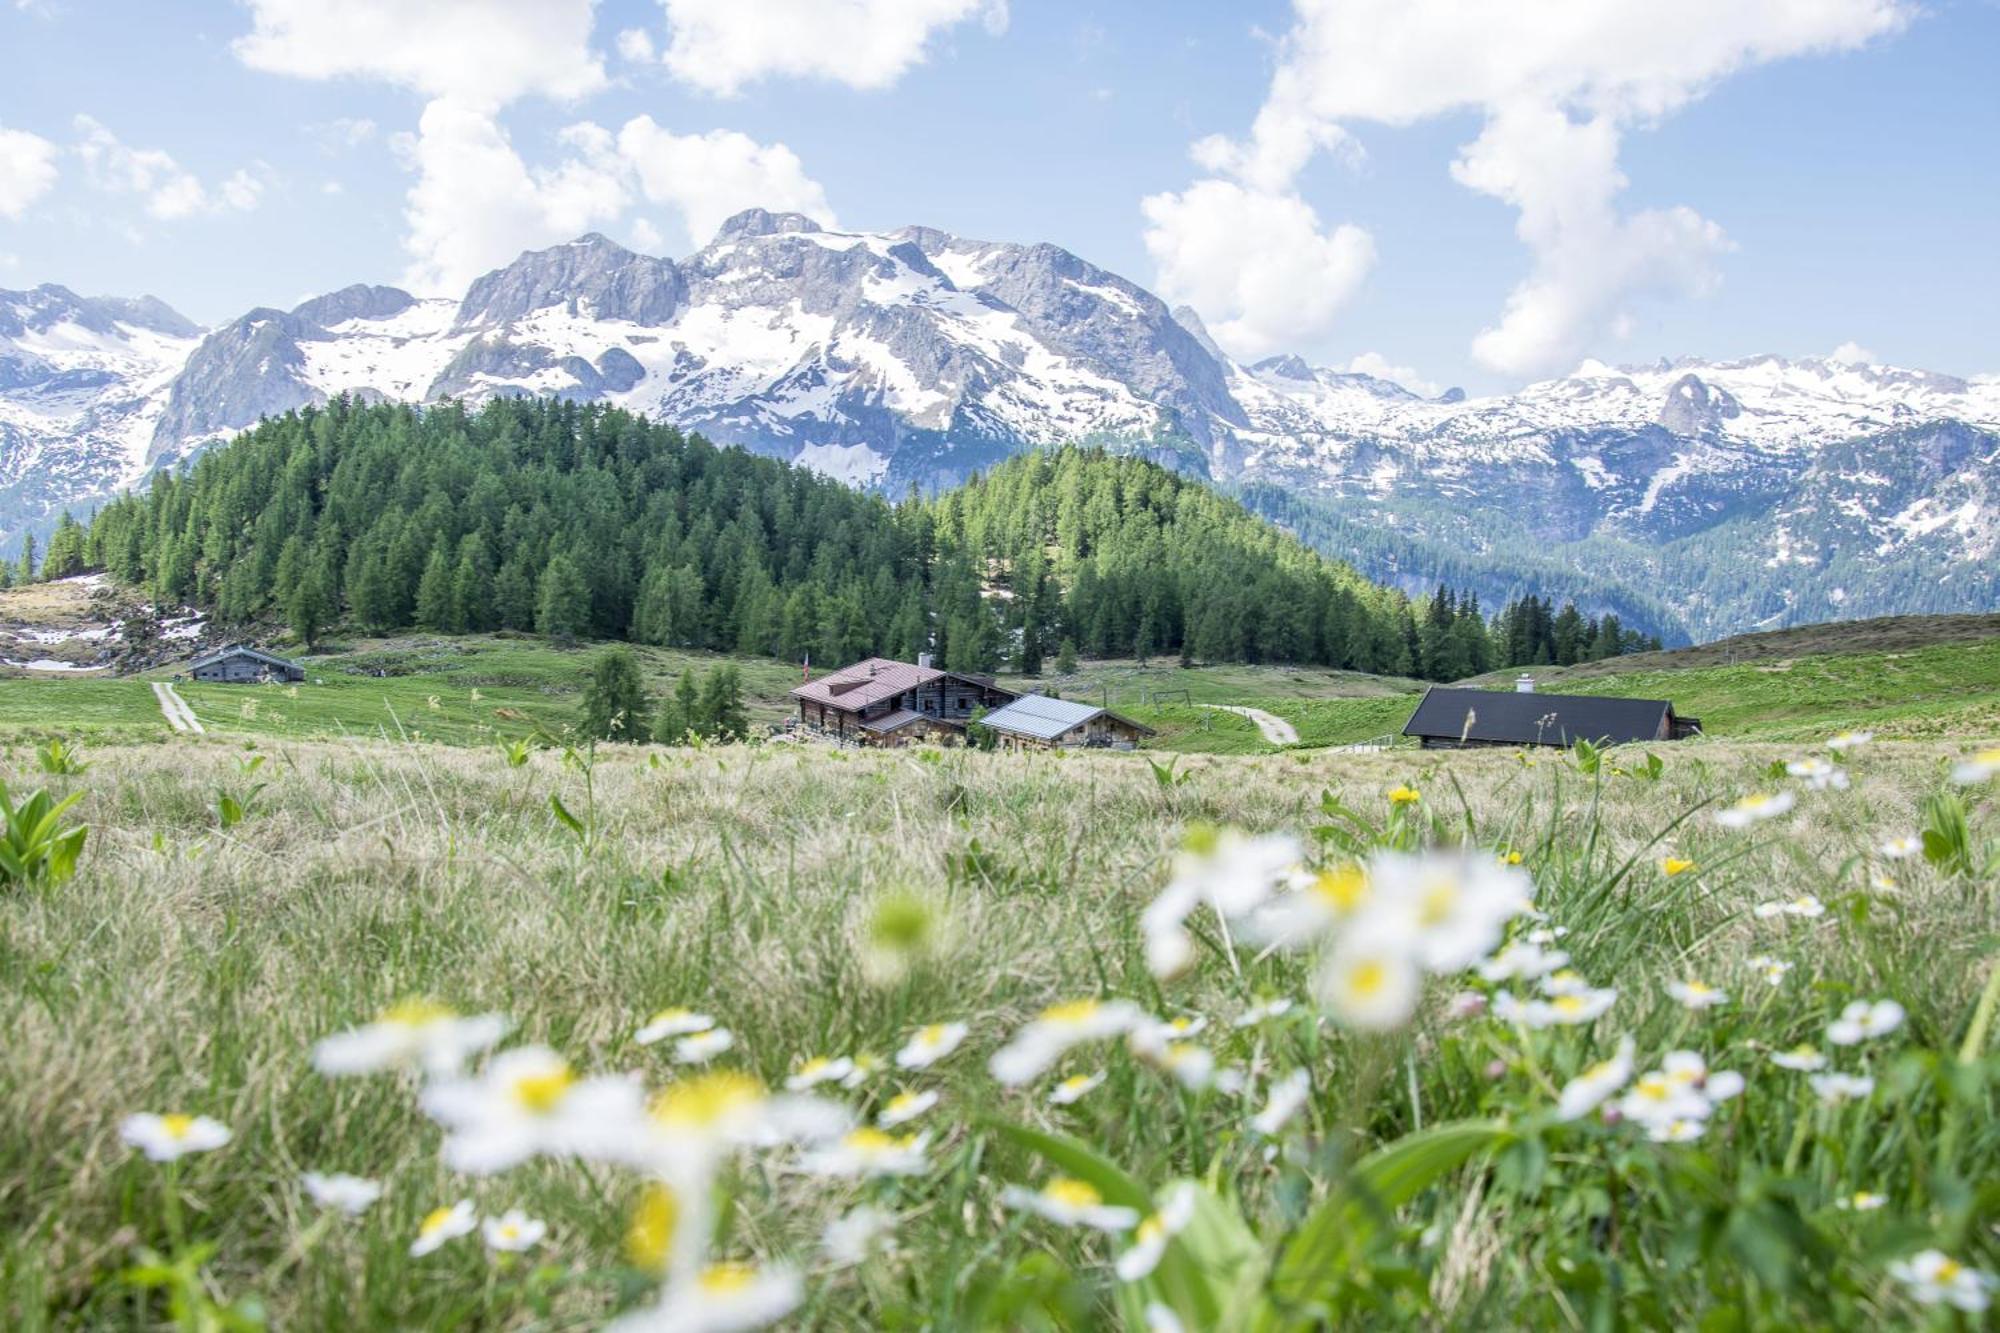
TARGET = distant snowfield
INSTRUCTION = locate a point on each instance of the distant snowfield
(855, 464)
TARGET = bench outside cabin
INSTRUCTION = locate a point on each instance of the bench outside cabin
(240, 664)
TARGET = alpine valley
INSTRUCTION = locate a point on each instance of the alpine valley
(1692, 498)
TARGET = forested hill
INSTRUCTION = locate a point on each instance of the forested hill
(577, 520)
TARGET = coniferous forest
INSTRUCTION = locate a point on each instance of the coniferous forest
(581, 521)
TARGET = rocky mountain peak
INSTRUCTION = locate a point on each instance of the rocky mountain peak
(1693, 407)
(359, 301)
(754, 222)
(591, 274)
(1289, 366)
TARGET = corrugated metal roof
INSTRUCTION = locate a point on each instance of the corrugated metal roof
(895, 721)
(1039, 716)
(1534, 719)
(243, 650)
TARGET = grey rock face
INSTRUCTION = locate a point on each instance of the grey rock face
(357, 302)
(1692, 407)
(592, 276)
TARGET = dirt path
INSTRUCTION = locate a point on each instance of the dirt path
(179, 716)
(1276, 730)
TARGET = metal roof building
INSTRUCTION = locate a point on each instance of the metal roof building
(239, 663)
(1036, 719)
(1448, 717)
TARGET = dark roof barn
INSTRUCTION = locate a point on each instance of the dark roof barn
(1447, 716)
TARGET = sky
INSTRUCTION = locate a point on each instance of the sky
(1450, 192)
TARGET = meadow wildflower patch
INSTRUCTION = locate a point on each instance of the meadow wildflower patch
(1264, 1050)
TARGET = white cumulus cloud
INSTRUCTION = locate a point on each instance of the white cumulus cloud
(27, 170)
(1258, 262)
(170, 192)
(1851, 353)
(481, 52)
(707, 177)
(720, 46)
(1382, 368)
(1557, 85)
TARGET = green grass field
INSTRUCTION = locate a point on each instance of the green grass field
(829, 903)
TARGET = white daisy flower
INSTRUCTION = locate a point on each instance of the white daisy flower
(1837, 1089)
(1071, 1203)
(348, 1194)
(1263, 1013)
(528, 1102)
(1370, 980)
(1818, 773)
(866, 1066)
(1848, 740)
(1075, 1088)
(1314, 902)
(1934, 1278)
(1658, 1099)
(1162, 1319)
(672, 1023)
(1805, 905)
(1567, 1008)
(1565, 981)
(869, 1152)
(1522, 961)
(1595, 1085)
(697, 1119)
(1900, 847)
(1042, 1042)
(441, 1225)
(1283, 1100)
(513, 1232)
(1678, 1129)
(1805, 1059)
(1193, 1066)
(1860, 1201)
(819, 1069)
(1860, 1021)
(1689, 1070)
(415, 1032)
(1227, 871)
(1454, 905)
(1978, 768)
(1697, 995)
(1773, 970)
(1547, 935)
(905, 1107)
(722, 1298)
(1149, 1242)
(853, 1236)
(1754, 807)
(928, 1045)
(168, 1138)
(701, 1047)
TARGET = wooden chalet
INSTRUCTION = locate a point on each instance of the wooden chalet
(881, 701)
(1035, 721)
(240, 664)
(1449, 718)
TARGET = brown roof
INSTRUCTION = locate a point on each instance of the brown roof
(852, 689)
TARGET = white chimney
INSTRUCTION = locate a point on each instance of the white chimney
(1524, 684)
(924, 660)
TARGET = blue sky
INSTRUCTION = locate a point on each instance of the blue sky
(1843, 180)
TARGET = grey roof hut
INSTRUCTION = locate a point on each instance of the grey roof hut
(240, 664)
(1449, 718)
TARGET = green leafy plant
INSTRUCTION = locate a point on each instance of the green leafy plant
(61, 759)
(1947, 838)
(38, 847)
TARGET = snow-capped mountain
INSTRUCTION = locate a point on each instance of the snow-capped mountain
(83, 382)
(915, 357)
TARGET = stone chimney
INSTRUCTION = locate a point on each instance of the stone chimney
(1524, 684)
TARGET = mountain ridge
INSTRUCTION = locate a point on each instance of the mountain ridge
(916, 358)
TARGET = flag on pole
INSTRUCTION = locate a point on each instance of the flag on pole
(806, 665)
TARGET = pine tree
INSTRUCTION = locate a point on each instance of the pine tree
(434, 609)
(614, 702)
(26, 568)
(721, 706)
(562, 601)
(1066, 657)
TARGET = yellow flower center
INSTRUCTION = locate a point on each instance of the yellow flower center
(1439, 898)
(703, 1101)
(1673, 865)
(1653, 1088)
(1076, 1083)
(1405, 796)
(435, 1220)
(1071, 1193)
(1343, 888)
(903, 1101)
(1567, 1004)
(932, 1035)
(177, 1126)
(416, 1012)
(1511, 858)
(676, 1016)
(1071, 1014)
(1152, 1228)
(542, 1093)
(1368, 979)
(1948, 1270)
(1987, 757)
(726, 1279)
(867, 1140)
(813, 1067)
(649, 1239)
